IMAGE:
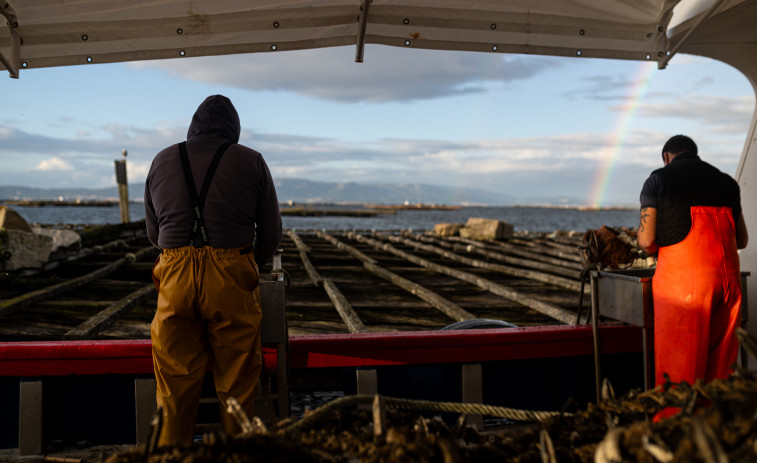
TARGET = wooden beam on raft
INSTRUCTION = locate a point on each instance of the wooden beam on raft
(558, 313)
(106, 317)
(75, 304)
(11, 305)
(445, 306)
(358, 304)
(351, 250)
(303, 250)
(519, 251)
(469, 248)
(343, 307)
(573, 285)
(564, 249)
(86, 252)
(547, 247)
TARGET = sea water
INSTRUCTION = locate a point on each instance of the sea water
(522, 218)
(538, 219)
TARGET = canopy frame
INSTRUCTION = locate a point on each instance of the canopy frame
(11, 62)
(52, 33)
(360, 47)
(702, 18)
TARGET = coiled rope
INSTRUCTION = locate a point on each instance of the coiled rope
(351, 401)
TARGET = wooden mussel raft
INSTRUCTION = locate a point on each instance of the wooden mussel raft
(80, 293)
(387, 277)
(397, 283)
(340, 282)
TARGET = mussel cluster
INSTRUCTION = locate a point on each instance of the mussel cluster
(712, 422)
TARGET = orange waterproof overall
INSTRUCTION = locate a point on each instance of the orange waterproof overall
(208, 309)
(697, 300)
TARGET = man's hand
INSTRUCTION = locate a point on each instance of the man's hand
(647, 229)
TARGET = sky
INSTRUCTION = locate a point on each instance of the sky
(522, 125)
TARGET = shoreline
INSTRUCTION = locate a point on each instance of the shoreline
(55, 202)
(297, 205)
(429, 206)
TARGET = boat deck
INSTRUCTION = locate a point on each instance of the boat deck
(404, 314)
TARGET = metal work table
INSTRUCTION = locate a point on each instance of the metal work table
(626, 296)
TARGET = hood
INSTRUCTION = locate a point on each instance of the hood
(215, 117)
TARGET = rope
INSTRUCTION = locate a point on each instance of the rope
(470, 409)
(583, 277)
(589, 248)
(320, 414)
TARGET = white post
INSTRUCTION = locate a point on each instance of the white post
(123, 188)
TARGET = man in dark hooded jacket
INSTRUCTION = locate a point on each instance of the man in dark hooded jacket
(211, 206)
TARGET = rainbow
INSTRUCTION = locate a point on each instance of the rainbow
(607, 168)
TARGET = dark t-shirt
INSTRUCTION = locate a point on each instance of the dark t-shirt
(686, 182)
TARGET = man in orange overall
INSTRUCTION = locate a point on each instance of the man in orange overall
(212, 240)
(691, 217)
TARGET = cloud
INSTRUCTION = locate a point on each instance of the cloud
(152, 139)
(546, 165)
(53, 164)
(87, 162)
(15, 141)
(387, 74)
(718, 114)
(529, 166)
(604, 87)
(137, 171)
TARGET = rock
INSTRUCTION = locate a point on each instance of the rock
(65, 242)
(20, 249)
(447, 229)
(11, 220)
(486, 229)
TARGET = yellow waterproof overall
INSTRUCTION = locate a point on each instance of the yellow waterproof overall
(208, 309)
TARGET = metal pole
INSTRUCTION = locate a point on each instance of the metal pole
(595, 332)
(11, 62)
(123, 188)
(645, 352)
(360, 50)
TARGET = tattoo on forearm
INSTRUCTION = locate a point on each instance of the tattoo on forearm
(643, 221)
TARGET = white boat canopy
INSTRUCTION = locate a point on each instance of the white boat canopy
(45, 33)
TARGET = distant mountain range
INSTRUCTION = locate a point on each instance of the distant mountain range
(298, 190)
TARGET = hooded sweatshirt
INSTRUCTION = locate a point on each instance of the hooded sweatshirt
(241, 205)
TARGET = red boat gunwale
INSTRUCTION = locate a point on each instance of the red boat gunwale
(56, 358)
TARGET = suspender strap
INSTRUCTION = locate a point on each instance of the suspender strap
(199, 235)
